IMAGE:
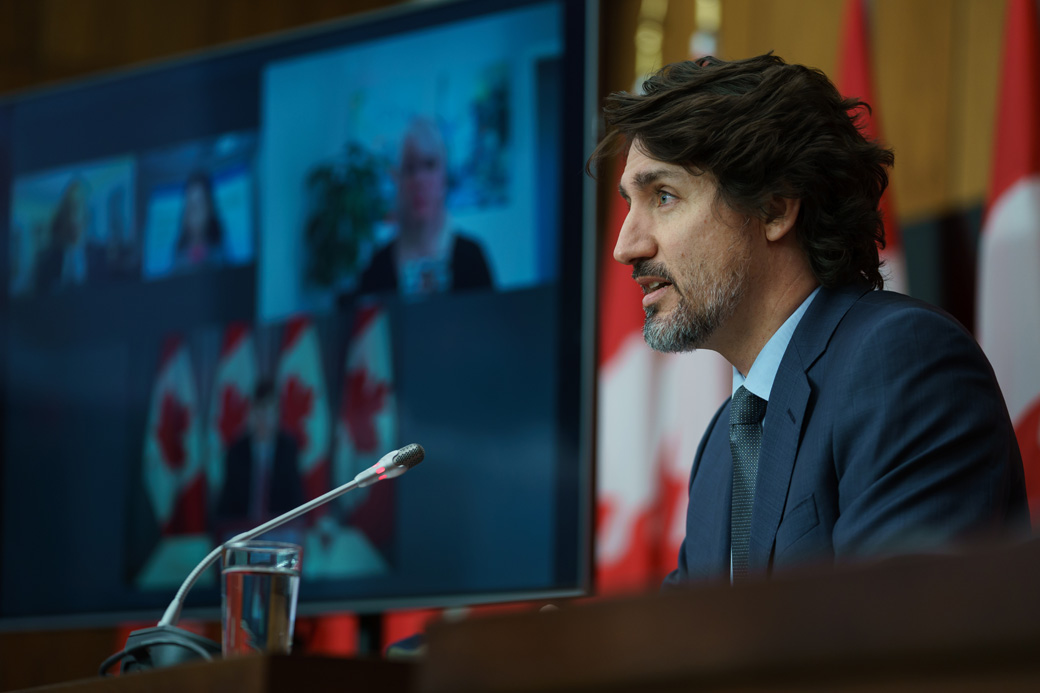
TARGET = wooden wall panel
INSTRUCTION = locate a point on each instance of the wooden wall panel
(912, 47)
(617, 44)
(166, 30)
(799, 31)
(978, 27)
(17, 47)
(679, 27)
(936, 67)
(43, 41)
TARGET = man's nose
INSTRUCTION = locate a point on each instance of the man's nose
(633, 243)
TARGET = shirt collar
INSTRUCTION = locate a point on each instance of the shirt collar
(763, 371)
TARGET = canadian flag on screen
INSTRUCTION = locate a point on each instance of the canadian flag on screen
(230, 402)
(173, 475)
(303, 403)
(1009, 259)
(855, 80)
(367, 424)
(652, 410)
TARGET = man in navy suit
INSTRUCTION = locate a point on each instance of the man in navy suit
(262, 479)
(863, 423)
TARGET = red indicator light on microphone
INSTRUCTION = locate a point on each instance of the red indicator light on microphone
(380, 470)
(382, 476)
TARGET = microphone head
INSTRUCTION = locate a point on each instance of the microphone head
(409, 456)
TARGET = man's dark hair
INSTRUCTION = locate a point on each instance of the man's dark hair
(766, 130)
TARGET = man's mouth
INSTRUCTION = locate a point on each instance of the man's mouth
(653, 290)
(654, 286)
(653, 280)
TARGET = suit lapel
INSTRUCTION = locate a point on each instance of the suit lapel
(780, 438)
(785, 416)
(707, 518)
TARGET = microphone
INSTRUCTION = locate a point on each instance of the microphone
(166, 644)
(392, 465)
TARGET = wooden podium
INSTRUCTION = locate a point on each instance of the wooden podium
(951, 623)
(260, 674)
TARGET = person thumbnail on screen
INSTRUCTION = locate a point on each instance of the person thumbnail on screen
(411, 183)
(201, 239)
(261, 467)
(426, 256)
(120, 255)
(198, 205)
(70, 227)
(63, 261)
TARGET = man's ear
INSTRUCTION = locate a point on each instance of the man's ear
(783, 213)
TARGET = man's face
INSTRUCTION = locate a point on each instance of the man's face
(691, 255)
(265, 419)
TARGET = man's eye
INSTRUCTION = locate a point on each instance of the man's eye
(664, 198)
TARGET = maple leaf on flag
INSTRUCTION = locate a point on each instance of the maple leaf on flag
(234, 410)
(174, 418)
(297, 402)
(365, 399)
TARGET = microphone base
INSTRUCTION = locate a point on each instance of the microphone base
(165, 646)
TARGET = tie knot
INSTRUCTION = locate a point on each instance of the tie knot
(746, 407)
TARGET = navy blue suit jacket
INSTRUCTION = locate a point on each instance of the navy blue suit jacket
(885, 433)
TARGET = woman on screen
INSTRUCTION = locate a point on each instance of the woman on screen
(201, 239)
(63, 260)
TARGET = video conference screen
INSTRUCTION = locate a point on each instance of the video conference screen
(237, 280)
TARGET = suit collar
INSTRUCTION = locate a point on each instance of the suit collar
(820, 320)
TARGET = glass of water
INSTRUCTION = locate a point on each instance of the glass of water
(260, 582)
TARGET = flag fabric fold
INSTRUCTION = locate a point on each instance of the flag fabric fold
(366, 427)
(367, 424)
(230, 399)
(174, 478)
(303, 404)
(1009, 255)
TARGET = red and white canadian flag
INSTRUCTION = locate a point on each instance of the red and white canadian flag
(230, 402)
(303, 404)
(855, 80)
(1009, 260)
(652, 410)
(174, 478)
(366, 427)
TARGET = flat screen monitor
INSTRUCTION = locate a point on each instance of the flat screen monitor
(236, 280)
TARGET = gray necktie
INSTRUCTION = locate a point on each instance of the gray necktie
(745, 441)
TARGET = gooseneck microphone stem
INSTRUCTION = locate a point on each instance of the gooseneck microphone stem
(173, 611)
(165, 644)
(391, 465)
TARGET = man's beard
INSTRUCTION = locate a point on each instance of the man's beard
(689, 327)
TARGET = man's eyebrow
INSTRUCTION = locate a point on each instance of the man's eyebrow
(624, 193)
(645, 179)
